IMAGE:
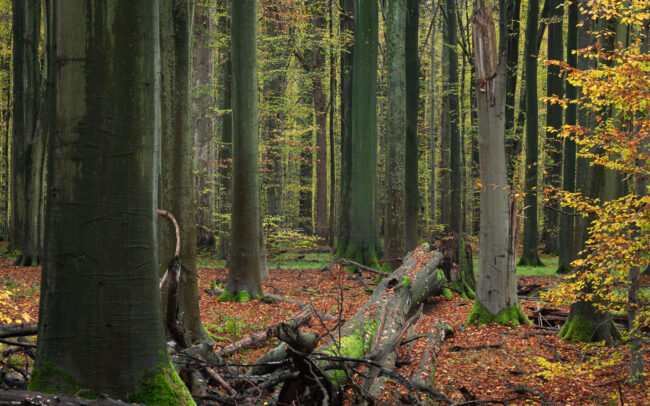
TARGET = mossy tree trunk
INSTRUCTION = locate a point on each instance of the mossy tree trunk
(529, 255)
(203, 121)
(100, 325)
(395, 147)
(28, 147)
(412, 68)
(177, 164)
(245, 258)
(363, 242)
(496, 285)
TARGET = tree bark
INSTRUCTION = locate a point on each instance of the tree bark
(513, 143)
(203, 122)
(363, 244)
(529, 255)
(396, 127)
(455, 179)
(553, 148)
(100, 324)
(496, 294)
(177, 164)
(412, 68)
(245, 267)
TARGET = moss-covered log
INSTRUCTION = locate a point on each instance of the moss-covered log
(375, 330)
(458, 267)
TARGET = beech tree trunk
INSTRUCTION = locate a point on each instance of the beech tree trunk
(395, 153)
(529, 255)
(100, 324)
(203, 122)
(496, 285)
(245, 264)
(412, 68)
(177, 164)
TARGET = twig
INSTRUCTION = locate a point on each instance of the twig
(525, 389)
(177, 251)
(24, 345)
(475, 347)
(348, 262)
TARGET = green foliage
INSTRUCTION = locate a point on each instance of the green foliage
(282, 238)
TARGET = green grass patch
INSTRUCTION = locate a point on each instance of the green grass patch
(549, 268)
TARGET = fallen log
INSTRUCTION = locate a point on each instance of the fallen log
(349, 262)
(18, 330)
(258, 337)
(376, 329)
(16, 397)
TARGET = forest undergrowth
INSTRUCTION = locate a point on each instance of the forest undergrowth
(513, 366)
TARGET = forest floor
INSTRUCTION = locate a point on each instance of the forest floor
(552, 371)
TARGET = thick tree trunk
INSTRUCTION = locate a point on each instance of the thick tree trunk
(529, 255)
(496, 294)
(395, 152)
(245, 265)
(100, 270)
(363, 244)
(203, 122)
(412, 68)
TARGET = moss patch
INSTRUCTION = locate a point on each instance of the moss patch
(49, 378)
(355, 345)
(447, 293)
(406, 282)
(578, 330)
(242, 296)
(162, 386)
(511, 316)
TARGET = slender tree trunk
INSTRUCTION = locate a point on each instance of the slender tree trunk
(496, 294)
(554, 87)
(529, 255)
(395, 146)
(27, 84)
(225, 128)
(412, 69)
(513, 143)
(245, 268)
(347, 29)
(566, 247)
(100, 270)
(306, 223)
(332, 102)
(203, 122)
(433, 126)
(455, 191)
(177, 165)
(444, 186)
(363, 244)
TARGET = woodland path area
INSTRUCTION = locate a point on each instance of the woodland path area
(524, 365)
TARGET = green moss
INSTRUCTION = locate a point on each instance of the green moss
(355, 345)
(447, 293)
(441, 274)
(406, 282)
(563, 269)
(578, 330)
(469, 291)
(49, 378)
(242, 296)
(511, 316)
(162, 386)
(226, 296)
(386, 268)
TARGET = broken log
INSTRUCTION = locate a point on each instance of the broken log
(258, 337)
(380, 323)
(457, 263)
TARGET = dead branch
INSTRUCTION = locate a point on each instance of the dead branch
(14, 397)
(456, 348)
(348, 262)
(18, 330)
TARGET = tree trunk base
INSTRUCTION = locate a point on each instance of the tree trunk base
(511, 316)
(586, 324)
